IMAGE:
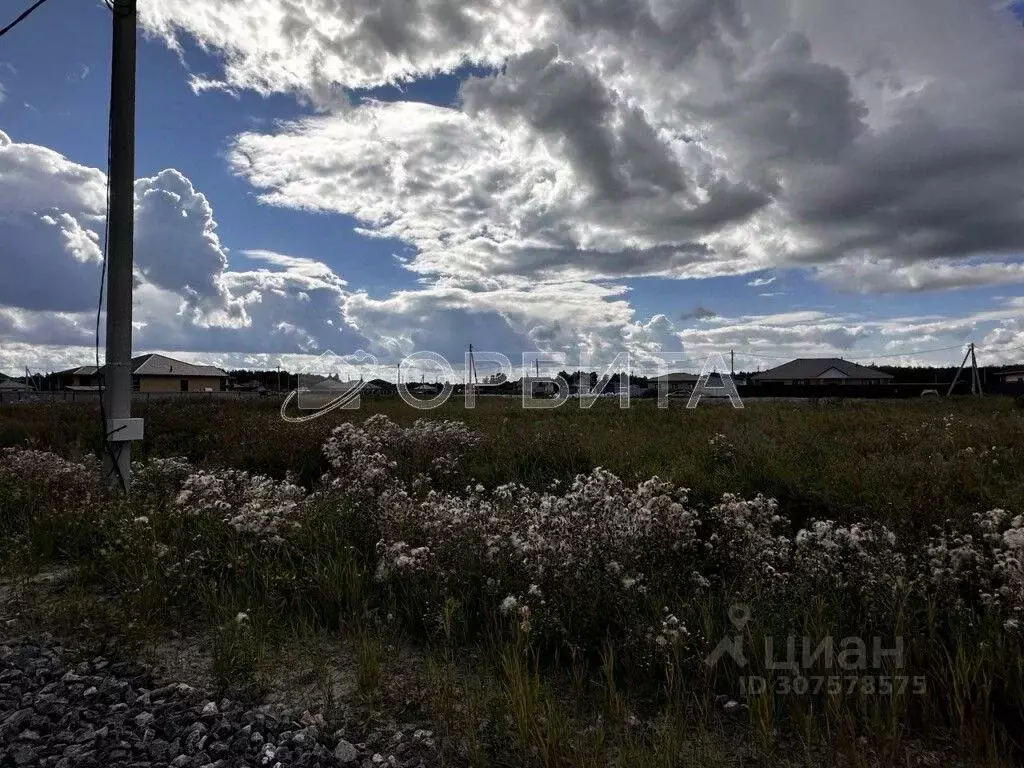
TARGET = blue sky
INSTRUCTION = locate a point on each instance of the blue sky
(523, 185)
(174, 129)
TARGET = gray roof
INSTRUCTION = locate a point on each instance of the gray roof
(817, 367)
(160, 365)
(13, 385)
(155, 365)
(677, 378)
(1010, 373)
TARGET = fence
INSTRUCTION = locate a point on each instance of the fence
(755, 391)
(70, 396)
(899, 391)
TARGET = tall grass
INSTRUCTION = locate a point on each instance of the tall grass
(570, 682)
(902, 463)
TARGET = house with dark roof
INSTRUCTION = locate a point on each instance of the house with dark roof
(81, 379)
(152, 373)
(676, 382)
(14, 385)
(1011, 377)
(685, 382)
(821, 370)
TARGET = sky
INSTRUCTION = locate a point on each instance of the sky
(574, 180)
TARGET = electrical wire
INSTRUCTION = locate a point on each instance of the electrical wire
(751, 354)
(755, 355)
(25, 14)
(907, 354)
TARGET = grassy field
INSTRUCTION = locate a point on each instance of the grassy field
(905, 463)
(564, 603)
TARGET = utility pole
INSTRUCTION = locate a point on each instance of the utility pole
(976, 380)
(117, 394)
(732, 362)
(970, 351)
(472, 367)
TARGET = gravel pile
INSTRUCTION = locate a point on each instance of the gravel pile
(98, 713)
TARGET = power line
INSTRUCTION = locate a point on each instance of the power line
(906, 354)
(746, 352)
(754, 354)
(21, 18)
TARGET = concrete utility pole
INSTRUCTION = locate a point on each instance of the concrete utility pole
(967, 355)
(976, 378)
(121, 429)
(472, 366)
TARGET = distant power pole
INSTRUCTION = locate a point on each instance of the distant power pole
(732, 362)
(974, 371)
(976, 380)
(117, 395)
(472, 366)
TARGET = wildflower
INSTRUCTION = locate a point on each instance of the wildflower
(241, 618)
(509, 604)
(1014, 538)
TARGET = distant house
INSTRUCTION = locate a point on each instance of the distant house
(823, 370)
(544, 388)
(618, 390)
(676, 382)
(13, 385)
(1012, 377)
(79, 379)
(685, 382)
(425, 390)
(151, 373)
(158, 373)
